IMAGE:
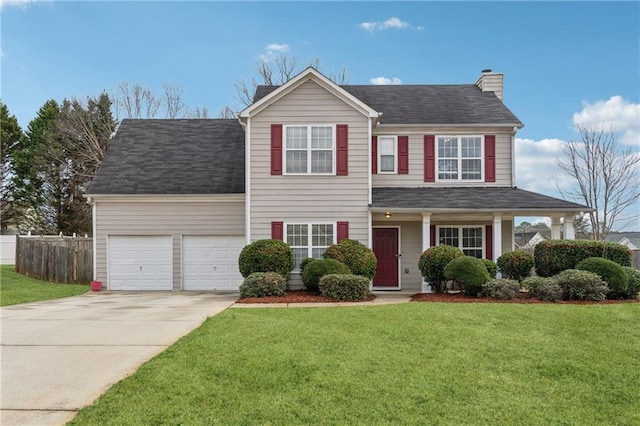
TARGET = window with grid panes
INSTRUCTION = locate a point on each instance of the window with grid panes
(459, 158)
(309, 149)
(309, 240)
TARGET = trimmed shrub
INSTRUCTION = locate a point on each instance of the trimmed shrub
(432, 263)
(501, 288)
(358, 257)
(260, 284)
(581, 285)
(613, 274)
(491, 266)
(345, 286)
(634, 283)
(266, 256)
(554, 256)
(515, 265)
(306, 261)
(317, 269)
(469, 272)
(545, 289)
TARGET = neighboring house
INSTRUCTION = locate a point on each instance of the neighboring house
(631, 240)
(399, 168)
(527, 240)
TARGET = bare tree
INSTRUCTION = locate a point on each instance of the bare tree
(606, 177)
(173, 103)
(227, 112)
(135, 102)
(277, 72)
(197, 112)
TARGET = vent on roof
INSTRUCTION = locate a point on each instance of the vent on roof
(491, 82)
(486, 70)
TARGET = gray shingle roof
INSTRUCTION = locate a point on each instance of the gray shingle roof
(469, 198)
(173, 157)
(428, 104)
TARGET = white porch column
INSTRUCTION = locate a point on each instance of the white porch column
(569, 230)
(555, 227)
(497, 237)
(426, 231)
(426, 243)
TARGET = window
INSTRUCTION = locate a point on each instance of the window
(460, 158)
(309, 240)
(387, 154)
(309, 149)
(469, 239)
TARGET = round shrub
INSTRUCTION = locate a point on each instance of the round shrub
(306, 261)
(469, 272)
(266, 256)
(515, 265)
(491, 266)
(633, 291)
(613, 274)
(555, 256)
(545, 289)
(260, 284)
(317, 269)
(345, 287)
(501, 288)
(581, 285)
(432, 263)
(359, 258)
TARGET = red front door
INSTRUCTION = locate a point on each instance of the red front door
(385, 247)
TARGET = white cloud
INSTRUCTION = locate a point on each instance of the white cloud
(275, 47)
(536, 167)
(394, 23)
(16, 3)
(614, 113)
(384, 80)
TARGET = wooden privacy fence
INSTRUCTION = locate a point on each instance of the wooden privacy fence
(57, 259)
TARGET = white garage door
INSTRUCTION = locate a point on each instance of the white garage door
(211, 262)
(140, 263)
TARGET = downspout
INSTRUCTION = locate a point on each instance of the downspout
(94, 227)
(247, 178)
(513, 157)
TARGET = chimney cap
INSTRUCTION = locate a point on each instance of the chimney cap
(486, 70)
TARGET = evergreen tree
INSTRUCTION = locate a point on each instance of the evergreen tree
(11, 138)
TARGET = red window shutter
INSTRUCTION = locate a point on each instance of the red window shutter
(429, 158)
(343, 230)
(403, 155)
(342, 151)
(277, 230)
(276, 149)
(489, 242)
(374, 154)
(432, 231)
(489, 158)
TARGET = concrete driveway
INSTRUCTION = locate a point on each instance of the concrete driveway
(58, 356)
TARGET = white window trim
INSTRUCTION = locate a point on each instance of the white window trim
(310, 224)
(460, 239)
(459, 179)
(309, 126)
(395, 155)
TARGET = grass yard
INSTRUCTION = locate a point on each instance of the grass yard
(16, 288)
(415, 363)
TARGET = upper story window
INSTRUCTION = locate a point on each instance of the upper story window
(388, 154)
(309, 149)
(459, 158)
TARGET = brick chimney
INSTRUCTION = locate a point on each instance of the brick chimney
(491, 82)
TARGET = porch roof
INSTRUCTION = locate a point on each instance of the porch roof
(470, 199)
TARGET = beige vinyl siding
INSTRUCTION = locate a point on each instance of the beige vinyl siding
(164, 218)
(415, 177)
(309, 198)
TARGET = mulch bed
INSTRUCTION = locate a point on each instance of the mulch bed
(295, 296)
(522, 298)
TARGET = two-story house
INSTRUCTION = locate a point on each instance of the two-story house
(399, 168)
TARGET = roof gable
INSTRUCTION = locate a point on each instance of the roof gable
(309, 74)
(454, 104)
(162, 157)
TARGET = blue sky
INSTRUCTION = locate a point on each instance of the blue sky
(564, 62)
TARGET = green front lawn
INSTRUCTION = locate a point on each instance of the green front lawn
(415, 363)
(16, 288)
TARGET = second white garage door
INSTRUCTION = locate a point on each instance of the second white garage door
(211, 262)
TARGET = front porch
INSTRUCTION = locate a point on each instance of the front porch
(481, 225)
